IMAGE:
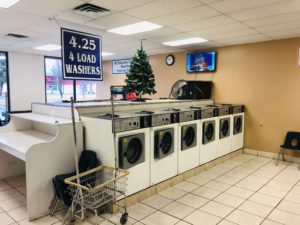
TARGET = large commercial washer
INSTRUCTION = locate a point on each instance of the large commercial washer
(238, 118)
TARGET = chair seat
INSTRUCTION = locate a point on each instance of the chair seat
(61, 178)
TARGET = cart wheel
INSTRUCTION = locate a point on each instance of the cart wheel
(123, 219)
(72, 221)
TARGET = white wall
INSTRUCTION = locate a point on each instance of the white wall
(26, 80)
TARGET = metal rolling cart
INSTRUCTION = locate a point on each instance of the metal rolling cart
(96, 187)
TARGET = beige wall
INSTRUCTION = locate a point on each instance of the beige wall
(263, 76)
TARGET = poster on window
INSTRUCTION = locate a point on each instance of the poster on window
(121, 66)
(81, 55)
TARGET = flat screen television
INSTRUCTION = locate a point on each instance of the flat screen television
(201, 62)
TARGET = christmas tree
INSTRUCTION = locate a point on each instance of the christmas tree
(140, 78)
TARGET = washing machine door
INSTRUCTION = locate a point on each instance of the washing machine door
(131, 151)
(188, 136)
(238, 124)
(224, 128)
(163, 143)
(208, 132)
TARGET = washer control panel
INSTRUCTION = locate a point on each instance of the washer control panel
(223, 111)
(161, 119)
(238, 109)
(127, 124)
(186, 116)
(207, 113)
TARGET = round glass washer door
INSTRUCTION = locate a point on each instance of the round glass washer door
(134, 150)
(189, 136)
(209, 133)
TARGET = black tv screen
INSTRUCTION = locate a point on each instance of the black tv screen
(201, 62)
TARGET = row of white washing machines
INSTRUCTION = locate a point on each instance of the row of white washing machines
(156, 145)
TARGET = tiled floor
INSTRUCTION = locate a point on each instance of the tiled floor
(244, 190)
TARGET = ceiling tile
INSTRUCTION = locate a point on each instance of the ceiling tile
(186, 16)
(220, 29)
(227, 6)
(282, 18)
(231, 35)
(155, 33)
(246, 38)
(173, 37)
(113, 21)
(13, 19)
(279, 27)
(209, 1)
(118, 5)
(269, 10)
(46, 8)
(73, 17)
(284, 33)
(161, 7)
(204, 23)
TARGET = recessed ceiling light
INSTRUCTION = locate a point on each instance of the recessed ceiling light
(8, 3)
(135, 28)
(48, 47)
(106, 53)
(185, 41)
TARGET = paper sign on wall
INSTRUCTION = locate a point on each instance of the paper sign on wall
(81, 55)
(298, 59)
(121, 66)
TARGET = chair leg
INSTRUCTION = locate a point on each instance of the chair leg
(280, 152)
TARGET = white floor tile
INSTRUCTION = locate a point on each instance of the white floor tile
(4, 186)
(186, 186)
(18, 214)
(269, 222)
(265, 199)
(256, 208)
(182, 223)
(293, 198)
(217, 209)
(206, 192)
(280, 185)
(226, 222)
(229, 200)
(239, 192)
(178, 210)
(244, 218)
(157, 201)
(159, 218)
(172, 193)
(215, 185)
(139, 211)
(284, 217)
(268, 190)
(5, 219)
(199, 180)
(193, 200)
(16, 181)
(8, 194)
(290, 207)
(228, 180)
(209, 175)
(13, 203)
(46, 220)
(202, 218)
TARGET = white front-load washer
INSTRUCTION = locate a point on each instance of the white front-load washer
(208, 129)
(163, 147)
(188, 145)
(132, 145)
(238, 119)
(225, 130)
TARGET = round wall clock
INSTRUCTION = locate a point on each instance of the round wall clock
(170, 59)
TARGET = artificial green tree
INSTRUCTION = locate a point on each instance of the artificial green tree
(140, 78)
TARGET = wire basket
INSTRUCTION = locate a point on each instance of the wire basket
(97, 187)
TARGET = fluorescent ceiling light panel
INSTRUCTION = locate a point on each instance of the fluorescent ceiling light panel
(7, 3)
(48, 47)
(185, 41)
(135, 28)
(106, 53)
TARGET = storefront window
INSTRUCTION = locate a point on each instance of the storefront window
(58, 89)
(4, 105)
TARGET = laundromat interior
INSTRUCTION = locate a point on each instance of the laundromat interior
(149, 112)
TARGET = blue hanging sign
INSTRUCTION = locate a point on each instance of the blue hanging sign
(81, 55)
(121, 66)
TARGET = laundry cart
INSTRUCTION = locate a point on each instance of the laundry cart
(95, 188)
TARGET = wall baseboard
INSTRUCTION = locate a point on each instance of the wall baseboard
(271, 155)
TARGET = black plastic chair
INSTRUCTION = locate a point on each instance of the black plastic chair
(291, 142)
(88, 160)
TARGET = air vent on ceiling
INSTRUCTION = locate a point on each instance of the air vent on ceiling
(16, 35)
(90, 8)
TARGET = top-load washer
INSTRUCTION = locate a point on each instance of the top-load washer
(188, 145)
(238, 118)
(163, 146)
(208, 131)
(132, 138)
